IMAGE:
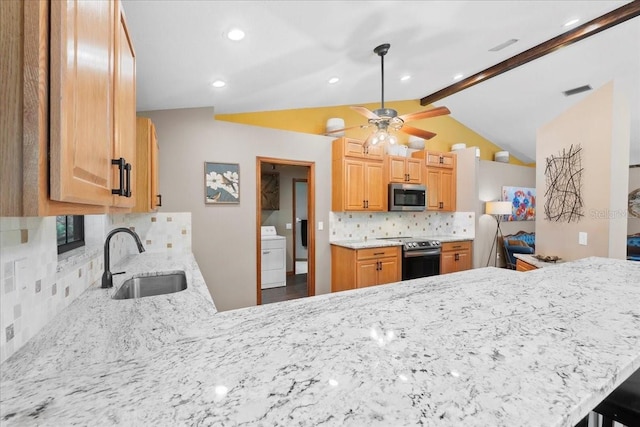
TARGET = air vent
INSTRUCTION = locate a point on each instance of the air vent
(577, 90)
(503, 45)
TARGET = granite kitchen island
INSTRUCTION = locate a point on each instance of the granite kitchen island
(476, 348)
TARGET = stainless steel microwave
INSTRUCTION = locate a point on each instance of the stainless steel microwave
(407, 197)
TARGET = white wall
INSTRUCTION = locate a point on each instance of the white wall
(224, 237)
(492, 176)
(600, 124)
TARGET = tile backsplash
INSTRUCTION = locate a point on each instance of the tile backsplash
(36, 283)
(371, 225)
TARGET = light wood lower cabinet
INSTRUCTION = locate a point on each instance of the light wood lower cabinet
(524, 266)
(359, 268)
(456, 256)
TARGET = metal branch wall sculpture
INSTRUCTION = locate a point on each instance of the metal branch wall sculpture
(563, 175)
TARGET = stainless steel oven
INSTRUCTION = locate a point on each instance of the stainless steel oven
(407, 197)
(420, 258)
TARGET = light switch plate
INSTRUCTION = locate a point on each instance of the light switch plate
(288, 226)
(582, 238)
(320, 225)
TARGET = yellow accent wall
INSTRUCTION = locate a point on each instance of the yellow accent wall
(313, 120)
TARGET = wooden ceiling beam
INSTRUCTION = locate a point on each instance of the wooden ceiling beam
(608, 20)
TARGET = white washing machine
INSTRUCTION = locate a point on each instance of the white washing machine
(273, 261)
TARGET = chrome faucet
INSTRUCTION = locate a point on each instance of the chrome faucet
(107, 277)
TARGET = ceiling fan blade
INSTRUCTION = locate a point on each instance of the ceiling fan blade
(434, 112)
(345, 129)
(424, 134)
(367, 113)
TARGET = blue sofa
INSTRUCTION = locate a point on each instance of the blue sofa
(633, 247)
(520, 243)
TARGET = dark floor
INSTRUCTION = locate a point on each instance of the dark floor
(296, 288)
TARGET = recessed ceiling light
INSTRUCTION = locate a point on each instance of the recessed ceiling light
(333, 80)
(235, 34)
(571, 22)
(218, 83)
(405, 78)
(458, 76)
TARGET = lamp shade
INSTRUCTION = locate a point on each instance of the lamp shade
(498, 208)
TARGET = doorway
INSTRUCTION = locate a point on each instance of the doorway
(285, 209)
(301, 223)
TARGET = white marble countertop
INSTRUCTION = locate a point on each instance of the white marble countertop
(364, 244)
(379, 243)
(95, 328)
(530, 259)
(476, 348)
(451, 238)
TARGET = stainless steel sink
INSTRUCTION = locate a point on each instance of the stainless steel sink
(146, 286)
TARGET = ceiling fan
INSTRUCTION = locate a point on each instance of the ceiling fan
(387, 119)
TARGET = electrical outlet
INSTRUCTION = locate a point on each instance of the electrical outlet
(320, 225)
(582, 238)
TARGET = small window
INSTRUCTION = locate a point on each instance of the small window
(70, 232)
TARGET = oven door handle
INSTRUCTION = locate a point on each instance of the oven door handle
(415, 254)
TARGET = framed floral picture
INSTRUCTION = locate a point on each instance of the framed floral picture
(523, 201)
(221, 183)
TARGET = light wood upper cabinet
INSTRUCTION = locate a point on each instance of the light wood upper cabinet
(374, 187)
(439, 160)
(349, 147)
(81, 85)
(440, 179)
(124, 108)
(358, 182)
(71, 70)
(147, 197)
(404, 170)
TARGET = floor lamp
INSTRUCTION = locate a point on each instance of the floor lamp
(497, 209)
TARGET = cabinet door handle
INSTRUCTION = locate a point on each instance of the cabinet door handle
(159, 196)
(121, 163)
(378, 266)
(457, 257)
(440, 205)
(441, 160)
(366, 204)
(127, 169)
(378, 253)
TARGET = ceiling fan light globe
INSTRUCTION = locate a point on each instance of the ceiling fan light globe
(381, 136)
(393, 139)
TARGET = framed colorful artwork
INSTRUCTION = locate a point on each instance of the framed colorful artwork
(634, 203)
(221, 183)
(523, 201)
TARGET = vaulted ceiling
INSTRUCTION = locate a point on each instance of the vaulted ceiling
(292, 49)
